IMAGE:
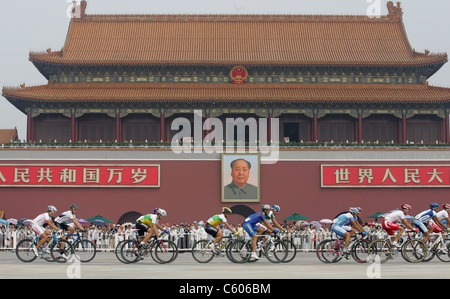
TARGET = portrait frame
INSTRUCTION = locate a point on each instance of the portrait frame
(229, 191)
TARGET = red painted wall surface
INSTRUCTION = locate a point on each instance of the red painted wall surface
(191, 190)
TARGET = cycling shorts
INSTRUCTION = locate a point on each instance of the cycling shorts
(390, 227)
(341, 230)
(250, 229)
(421, 226)
(63, 226)
(142, 228)
(38, 229)
(211, 230)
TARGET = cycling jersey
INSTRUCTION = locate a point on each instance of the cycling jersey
(390, 222)
(442, 215)
(426, 215)
(217, 220)
(341, 223)
(65, 218)
(37, 225)
(344, 219)
(251, 223)
(148, 219)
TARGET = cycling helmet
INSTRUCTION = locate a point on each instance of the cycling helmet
(266, 207)
(446, 206)
(162, 212)
(74, 207)
(434, 205)
(406, 207)
(155, 210)
(354, 210)
(227, 210)
(276, 208)
(51, 209)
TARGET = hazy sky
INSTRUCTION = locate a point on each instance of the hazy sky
(33, 25)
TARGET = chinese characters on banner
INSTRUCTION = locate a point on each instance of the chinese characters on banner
(60, 175)
(408, 175)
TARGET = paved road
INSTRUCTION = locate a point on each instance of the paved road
(304, 266)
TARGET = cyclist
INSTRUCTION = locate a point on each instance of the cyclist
(38, 225)
(271, 219)
(212, 227)
(149, 224)
(251, 227)
(390, 223)
(67, 220)
(341, 226)
(443, 215)
(423, 221)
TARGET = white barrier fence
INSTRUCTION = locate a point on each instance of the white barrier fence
(106, 241)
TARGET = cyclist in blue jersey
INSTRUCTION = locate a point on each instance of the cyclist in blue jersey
(251, 227)
(423, 221)
(341, 226)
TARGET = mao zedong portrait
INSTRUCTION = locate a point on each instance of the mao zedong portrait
(239, 188)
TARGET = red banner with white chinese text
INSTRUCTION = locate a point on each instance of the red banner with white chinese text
(70, 175)
(404, 175)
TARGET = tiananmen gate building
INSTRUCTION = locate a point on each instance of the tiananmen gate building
(350, 81)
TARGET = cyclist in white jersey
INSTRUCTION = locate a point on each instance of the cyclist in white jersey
(38, 223)
(443, 215)
(68, 220)
(390, 223)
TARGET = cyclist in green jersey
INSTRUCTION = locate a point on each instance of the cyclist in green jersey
(213, 223)
(149, 224)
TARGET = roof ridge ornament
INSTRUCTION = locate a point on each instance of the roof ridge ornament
(79, 11)
(395, 12)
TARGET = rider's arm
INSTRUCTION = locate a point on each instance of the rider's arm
(438, 222)
(358, 226)
(406, 223)
(77, 224)
(268, 225)
(52, 225)
(230, 228)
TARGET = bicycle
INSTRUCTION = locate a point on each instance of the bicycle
(437, 247)
(51, 251)
(413, 250)
(292, 253)
(273, 248)
(331, 250)
(203, 253)
(162, 251)
(118, 249)
(85, 250)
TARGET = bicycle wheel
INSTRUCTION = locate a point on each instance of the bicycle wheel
(85, 250)
(443, 254)
(201, 251)
(240, 251)
(292, 251)
(118, 250)
(379, 251)
(276, 252)
(61, 251)
(130, 252)
(164, 251)
(328, 251)
(24, 251)
(360, 251)
(414, 250)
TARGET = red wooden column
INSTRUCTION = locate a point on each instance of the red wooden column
(360, 128)
(118, 124)
(447, 128)
(73, 128)
(29, 127)
(404, 130)
(269, 127)
(315, 127)
(162, 127)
